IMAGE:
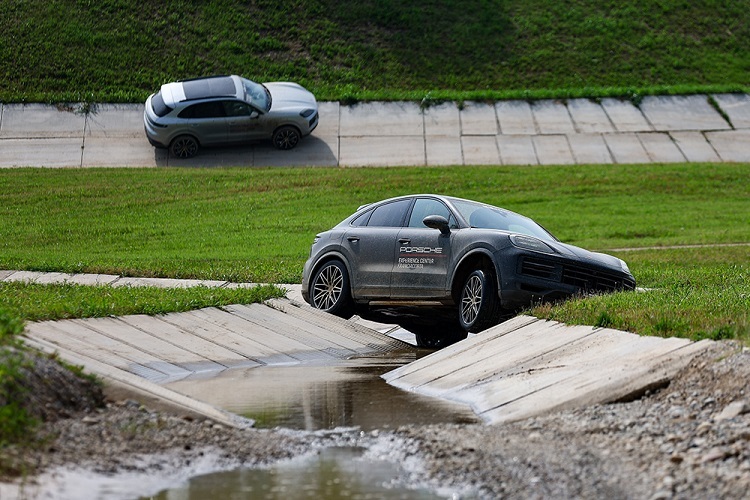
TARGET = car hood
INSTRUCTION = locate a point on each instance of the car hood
(586, 255)
(287, 95)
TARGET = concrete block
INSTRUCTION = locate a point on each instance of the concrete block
(589, 117)
(94, 279)
(116, 120)
(35, 121)
(626, 148)
(445, 150)
(552, 117)
(660, 147)
(24, 276)
(737, 108)
(691, 112)
(382, 151)
(553, 150)
(52, 152)
(589, 149)
(442, 120)
(731, 145)
(480, 150)
(478, 118)
(382, 119)
(695, 147)
(517, 150)
(4, 274)
(515, 118)
(625, 116)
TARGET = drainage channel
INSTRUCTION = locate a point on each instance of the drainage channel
(348, 396)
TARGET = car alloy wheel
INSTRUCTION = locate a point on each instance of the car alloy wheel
(184, 146)
(479, 307)
(286, 137)
(329, 290)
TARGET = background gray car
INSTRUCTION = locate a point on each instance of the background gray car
(188, 114)
(441, 266)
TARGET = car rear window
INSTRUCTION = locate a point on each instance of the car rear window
(157, 103)
(390, 214)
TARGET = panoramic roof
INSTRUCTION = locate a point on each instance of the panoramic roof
(209, 87)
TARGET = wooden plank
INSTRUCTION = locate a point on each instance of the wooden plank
(156, 326)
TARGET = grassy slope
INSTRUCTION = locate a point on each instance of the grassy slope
(122, 50)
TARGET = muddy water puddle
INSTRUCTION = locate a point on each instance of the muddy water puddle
(348, 395)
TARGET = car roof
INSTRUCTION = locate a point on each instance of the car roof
(200, 88)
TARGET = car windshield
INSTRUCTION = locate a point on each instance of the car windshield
(489, 217)
(257, 94)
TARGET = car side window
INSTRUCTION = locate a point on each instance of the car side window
(237, 108)
(210, 109)
(390, 214)
(427, 206)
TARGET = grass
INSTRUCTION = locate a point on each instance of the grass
(257, 225)
(120, 51)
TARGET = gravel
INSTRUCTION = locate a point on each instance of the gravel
(689, 440)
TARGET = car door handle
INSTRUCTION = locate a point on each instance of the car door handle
(353, 239)
(404, 241)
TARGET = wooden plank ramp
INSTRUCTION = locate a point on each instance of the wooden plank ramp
(527, 367)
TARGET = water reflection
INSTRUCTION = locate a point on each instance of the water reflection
(335, 473)
(312, 397)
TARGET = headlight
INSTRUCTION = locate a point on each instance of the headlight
(306, 113)
(530, 243)
(624, 266)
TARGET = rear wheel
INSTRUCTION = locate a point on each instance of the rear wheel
(286, 137)
(184, 146)
(330, 290)
(479, 307)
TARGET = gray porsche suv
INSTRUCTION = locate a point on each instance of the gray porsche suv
(441, 266)
(187, 115)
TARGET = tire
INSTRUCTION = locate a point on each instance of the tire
(479, 307)
(184, 146)
(286, 137)
(330, 290)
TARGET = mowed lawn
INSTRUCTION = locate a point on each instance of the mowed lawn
(256, 225)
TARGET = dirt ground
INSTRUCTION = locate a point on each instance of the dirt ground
(689, 440)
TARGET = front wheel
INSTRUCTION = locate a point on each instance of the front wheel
(184, 146)
(286, 137)
(479, 308)
(330, 290)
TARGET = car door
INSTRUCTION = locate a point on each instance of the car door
(244, 123)
(423, 254)
(370, 244)
(207, 121)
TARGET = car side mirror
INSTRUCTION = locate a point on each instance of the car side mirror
(437, 222)
(254, 115)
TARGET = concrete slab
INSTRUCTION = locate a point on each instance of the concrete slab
(660, 147)
(442, 120)
(328, 123)
(626, 148)
(589, 117)
(122, 152)
(553, 150)
(382, 151)
(589, 149)
(164, 282)
(24, 276)
(94, 279)
(478, 118)
(480, 150)
(692, 112)
(732, 145)
(625, 116)
(33, 121)
(737, 108)
(443, 150)
(517, 150)
(51, 152)
(552, 117)
(695, 147)
(5, 274)
(382, 119)
(54, 278)
(313, 151)
(515, 118)
(116, 120)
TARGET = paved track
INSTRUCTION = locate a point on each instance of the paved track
(696, 128)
